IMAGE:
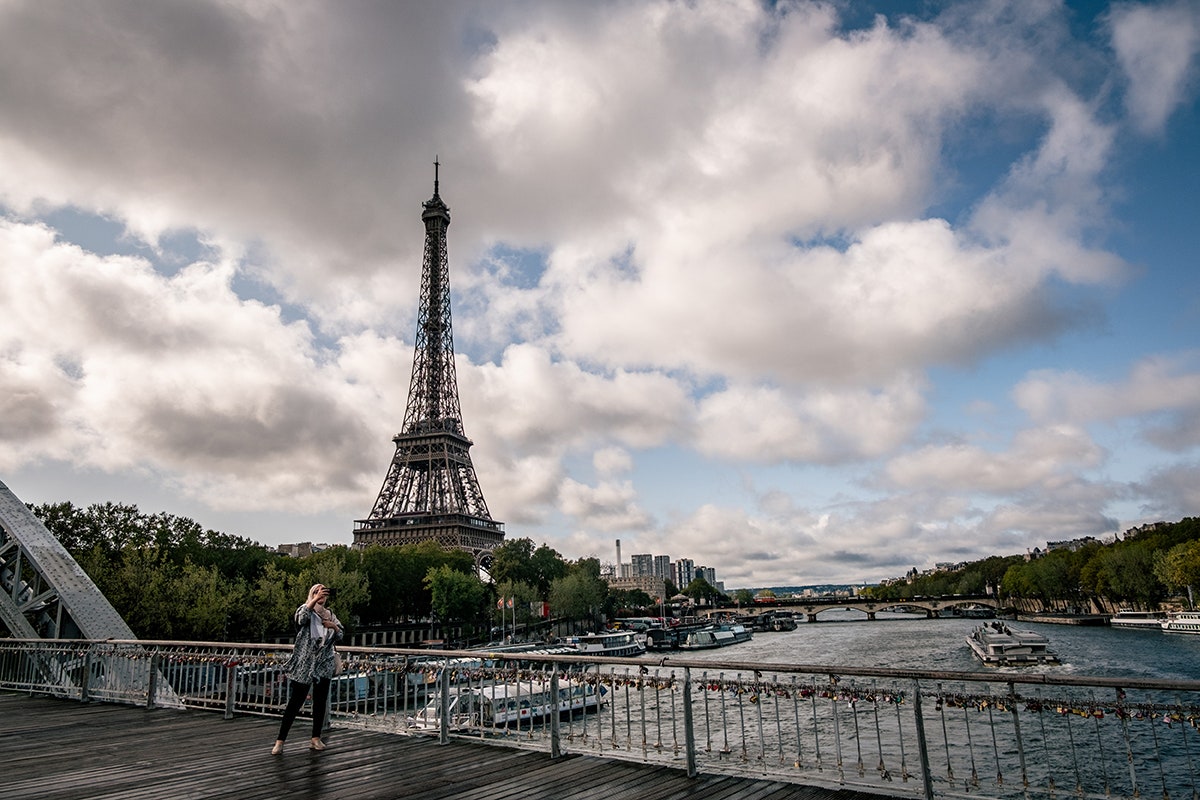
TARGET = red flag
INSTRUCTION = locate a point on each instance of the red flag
(510, 602)
(500, 603)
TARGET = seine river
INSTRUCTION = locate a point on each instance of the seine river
(909, 641)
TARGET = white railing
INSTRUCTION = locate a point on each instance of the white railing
(913, 733)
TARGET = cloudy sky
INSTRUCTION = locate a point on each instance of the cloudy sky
(804, 291)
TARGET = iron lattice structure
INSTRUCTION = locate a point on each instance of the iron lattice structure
(431, 491)
(44, 593)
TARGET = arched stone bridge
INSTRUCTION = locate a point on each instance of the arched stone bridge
(932, 606)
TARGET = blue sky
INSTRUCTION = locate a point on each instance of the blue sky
(805, 292)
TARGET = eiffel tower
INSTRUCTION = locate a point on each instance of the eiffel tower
(431, 492)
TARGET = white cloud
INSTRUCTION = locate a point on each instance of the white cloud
(765, 425)
(608, 506)
(1038, 458)
(1156, 46)
(1162, 394)
(131, 370)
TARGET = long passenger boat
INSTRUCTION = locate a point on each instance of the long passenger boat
(715, 636)
(999, 645)
(502, 704)
(612, 643)
(1182, 622)
(1146, 620)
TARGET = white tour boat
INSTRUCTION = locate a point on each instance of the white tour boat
(1182, 622)
(612, 643)
(501, 704)
(1146, 620)
(998, 644)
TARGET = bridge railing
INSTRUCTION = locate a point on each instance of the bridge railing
(929, 734)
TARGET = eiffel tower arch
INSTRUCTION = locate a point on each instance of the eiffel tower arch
(430, 491)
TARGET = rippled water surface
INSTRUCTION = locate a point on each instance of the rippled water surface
(912, 642)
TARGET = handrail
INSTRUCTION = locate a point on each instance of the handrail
(928, 734)
(1031, 678)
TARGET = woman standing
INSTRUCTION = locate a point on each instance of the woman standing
(311, 665)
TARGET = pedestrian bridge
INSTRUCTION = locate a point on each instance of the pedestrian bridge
(924, 734)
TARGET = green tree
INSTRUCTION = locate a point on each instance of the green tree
(512, 562)
(578, 596)
(701, 590)
(395, 577)
(350, 586)
(207, 603)
(456, 596)
(273, 599)
(518, 561)
(1018, 581)
(141, 590)
(1128, 571)
(1179, 567)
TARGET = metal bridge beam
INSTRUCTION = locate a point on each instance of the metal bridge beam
(44, 593)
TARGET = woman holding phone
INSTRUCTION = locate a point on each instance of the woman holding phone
(311, 665)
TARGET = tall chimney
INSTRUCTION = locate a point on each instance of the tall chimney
(618, 558)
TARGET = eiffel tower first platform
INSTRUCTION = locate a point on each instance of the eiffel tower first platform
(431, 492)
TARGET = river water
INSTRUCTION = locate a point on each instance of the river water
(910, 641)
(1095, 742)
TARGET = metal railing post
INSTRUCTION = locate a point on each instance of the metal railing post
(553, 710)
(922, 745)
(152, 688)
(86, 678)
(689, 735)
(231, 668)
(444, 703)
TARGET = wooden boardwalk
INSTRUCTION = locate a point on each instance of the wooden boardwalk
(67, 750)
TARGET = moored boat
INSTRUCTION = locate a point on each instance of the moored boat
(715, 636)
(1146, 620)
(999, 645)
(612, 643)
(501, 704)
(1182, 622)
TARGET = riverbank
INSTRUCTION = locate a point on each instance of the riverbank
(1065, 619)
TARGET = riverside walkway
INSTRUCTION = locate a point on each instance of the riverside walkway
(67, 750)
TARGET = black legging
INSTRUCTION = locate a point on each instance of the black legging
(297, 693)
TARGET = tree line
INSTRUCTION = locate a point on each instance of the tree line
(170, 578)
(1141, 571)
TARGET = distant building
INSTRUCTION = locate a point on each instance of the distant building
(1149, 527)
(655, 587)
(301, 550)
(685, 572)
(1071, 544)
(641, 565)
(662, 568)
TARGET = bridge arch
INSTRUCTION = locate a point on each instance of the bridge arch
(932, 606)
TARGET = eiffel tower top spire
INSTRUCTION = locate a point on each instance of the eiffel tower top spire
(431, 491)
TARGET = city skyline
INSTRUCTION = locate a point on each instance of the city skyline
(815, 292)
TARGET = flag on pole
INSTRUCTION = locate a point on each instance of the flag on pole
(500, 603)
(509, 602)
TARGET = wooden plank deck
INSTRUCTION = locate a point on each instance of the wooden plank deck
(67, 750)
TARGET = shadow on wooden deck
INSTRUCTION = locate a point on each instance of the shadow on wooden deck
(67, 750)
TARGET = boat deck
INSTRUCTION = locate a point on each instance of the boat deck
(67, 750)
